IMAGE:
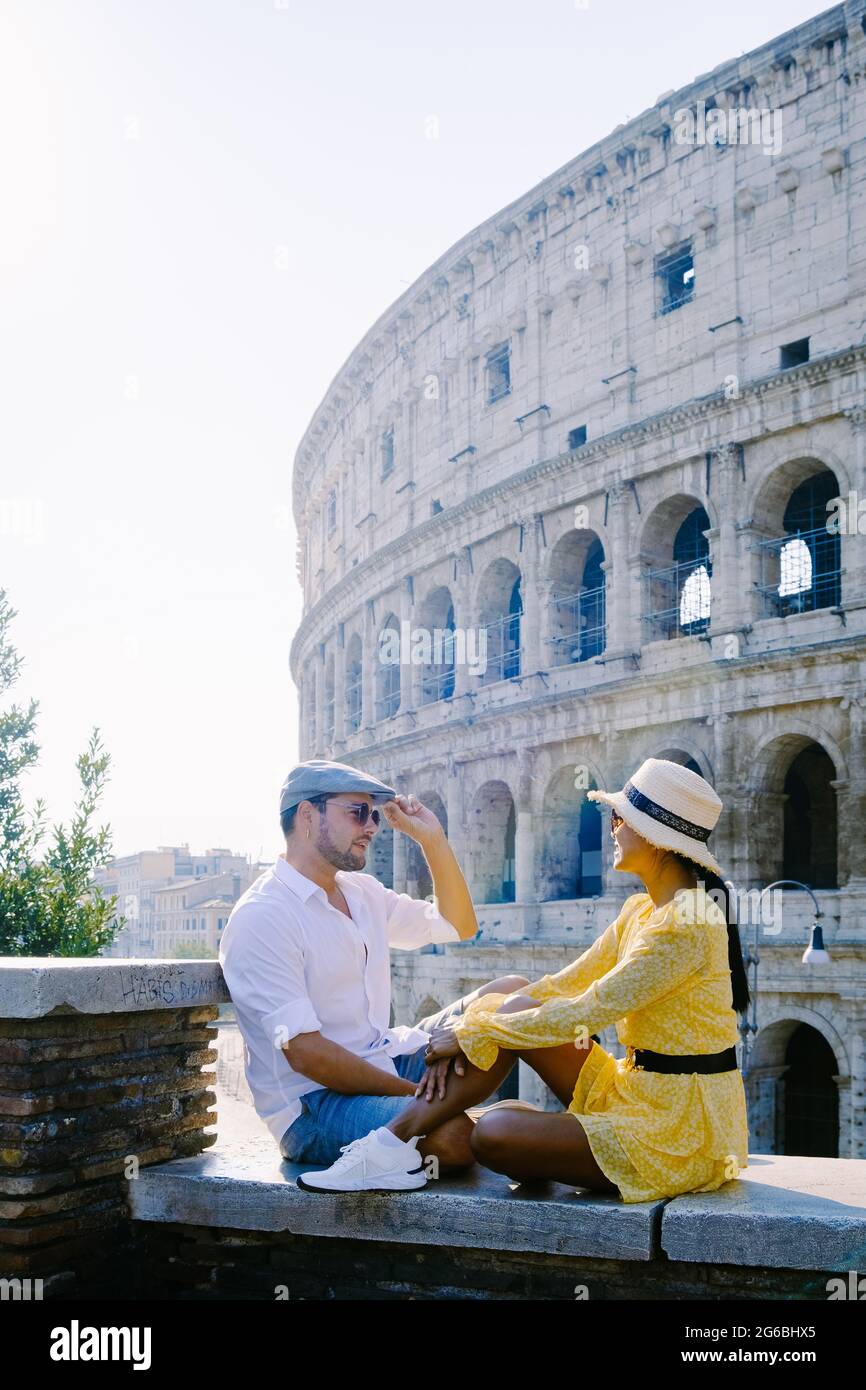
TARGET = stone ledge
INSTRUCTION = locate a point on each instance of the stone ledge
(33, 986)
(789, 1213)
(254, 1190)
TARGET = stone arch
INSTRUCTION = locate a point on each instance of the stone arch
(796, 1062)
(388, 668)
(354, 683)
(676, 567)
(576, 611)
(310, 688)
(491, 839)
(570, 854)
(328, 704)
(796, 834)
(778, 1020)
(767, 495)
(436, 616)
(428, 1006)
(798, 560)
(499, 606)
(419, 882)
(381, 855)
(685, 759)
(771, 753)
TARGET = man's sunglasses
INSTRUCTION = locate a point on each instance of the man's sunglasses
(359, 809)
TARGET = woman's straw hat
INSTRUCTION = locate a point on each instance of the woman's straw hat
(670, 806)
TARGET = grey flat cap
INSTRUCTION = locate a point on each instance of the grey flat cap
(319, 775)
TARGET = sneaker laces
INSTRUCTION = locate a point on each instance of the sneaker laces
(350, 1151)
(355, 1144)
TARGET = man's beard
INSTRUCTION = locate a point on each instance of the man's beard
(340, 858)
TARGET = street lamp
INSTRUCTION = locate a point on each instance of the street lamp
(814, 954)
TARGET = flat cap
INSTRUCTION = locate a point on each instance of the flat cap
(319, 775)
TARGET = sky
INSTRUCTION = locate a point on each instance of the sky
(206, 204)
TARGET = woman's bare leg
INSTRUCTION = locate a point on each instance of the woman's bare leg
(532, 1146)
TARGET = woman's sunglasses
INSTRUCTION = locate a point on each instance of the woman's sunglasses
(615, 821)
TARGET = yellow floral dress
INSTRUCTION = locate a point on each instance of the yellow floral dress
(662, 976)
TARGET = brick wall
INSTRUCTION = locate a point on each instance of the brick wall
(84, 1099)
(203, 1262)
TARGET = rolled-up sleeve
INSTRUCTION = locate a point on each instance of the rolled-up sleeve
(414, 922)
(265, 976)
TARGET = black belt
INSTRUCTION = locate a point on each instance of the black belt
(641, 1058)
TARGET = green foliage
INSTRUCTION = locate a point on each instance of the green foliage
(193, 950)
(48, 903)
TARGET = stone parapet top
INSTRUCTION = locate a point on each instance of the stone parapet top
(254, 1190)
(784, 1212)
(788, 1211)
(34, 986)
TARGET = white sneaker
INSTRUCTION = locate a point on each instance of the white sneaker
(368, 1165)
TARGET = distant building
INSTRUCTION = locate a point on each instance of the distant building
(194, 911)
(135, 878)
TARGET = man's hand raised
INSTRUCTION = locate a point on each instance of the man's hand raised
(408, 814)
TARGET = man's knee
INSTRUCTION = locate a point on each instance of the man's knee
(505, 984)
(450, 1143)
(517, 1004)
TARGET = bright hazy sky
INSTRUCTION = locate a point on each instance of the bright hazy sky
(206, 203)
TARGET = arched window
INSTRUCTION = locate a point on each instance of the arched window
(329, 700)
(800, 570)
(692, 564)
(578, 600)
(589, 872)
(354, 682)
(677, 590)
(310, 724)
(511, 640)
(509, 875)
(809, 819)
(436, 627)
(592, 616)
(492, 844)
(811, 1109)
(388, 669)
(569, 864)
(500, 607)
(446, 672)
(809, 564)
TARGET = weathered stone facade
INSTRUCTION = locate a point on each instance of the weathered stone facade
(670, 587)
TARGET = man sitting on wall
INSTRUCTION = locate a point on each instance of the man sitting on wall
(305, 955)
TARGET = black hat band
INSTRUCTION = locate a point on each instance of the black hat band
(660, 813)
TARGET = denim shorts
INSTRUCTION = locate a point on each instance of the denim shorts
(330, 1119)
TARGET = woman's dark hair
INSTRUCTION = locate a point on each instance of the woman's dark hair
(718, 890)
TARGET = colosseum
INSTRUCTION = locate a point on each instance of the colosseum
(593, 489)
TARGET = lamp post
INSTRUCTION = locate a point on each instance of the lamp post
(814, 954)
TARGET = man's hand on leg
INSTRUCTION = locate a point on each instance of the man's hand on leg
(433, 1083)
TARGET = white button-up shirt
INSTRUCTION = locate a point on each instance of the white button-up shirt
(293, 964)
